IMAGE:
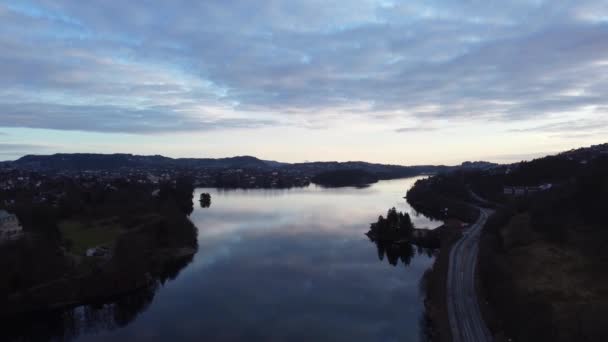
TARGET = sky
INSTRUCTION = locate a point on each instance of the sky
(411, 82)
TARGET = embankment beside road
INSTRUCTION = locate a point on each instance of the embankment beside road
(435, 281)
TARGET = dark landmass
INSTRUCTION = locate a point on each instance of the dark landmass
(542, 258)
(235, 172)
(341, 178)
(442, 197)
(90, 238)
(91, 161)
(382, 171)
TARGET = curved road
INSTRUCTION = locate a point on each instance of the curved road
(466, 322)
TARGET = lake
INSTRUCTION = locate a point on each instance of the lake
(275, 265)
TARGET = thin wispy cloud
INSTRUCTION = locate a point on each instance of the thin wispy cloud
(16, 149)
(12, 147)
(106, 118)
(416, 128)
(568, 126)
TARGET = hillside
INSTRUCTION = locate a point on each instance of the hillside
(542, 254)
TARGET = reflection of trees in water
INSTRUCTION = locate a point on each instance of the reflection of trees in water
(171, 269)
(402, 251)
(112, 315)
(91, 318)
(426, 324)
(429, 252)
(405, 252)
(426, 328)
(107, 315)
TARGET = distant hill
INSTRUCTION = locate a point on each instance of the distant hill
(388, 171)
(586, 154)
(94, 161)
(478, 165)
(382, 171)
(556, 168)
(88, 161)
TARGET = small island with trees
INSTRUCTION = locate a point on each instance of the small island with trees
(205, 200)
(396, 227)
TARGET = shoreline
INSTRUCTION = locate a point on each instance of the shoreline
(435, 301)
(437, 291)
(33, 301)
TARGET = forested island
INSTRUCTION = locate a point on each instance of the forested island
(396, 227)
(205, 200)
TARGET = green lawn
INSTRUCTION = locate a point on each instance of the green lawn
(83, 236)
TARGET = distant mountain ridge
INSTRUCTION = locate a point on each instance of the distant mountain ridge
(94, 161)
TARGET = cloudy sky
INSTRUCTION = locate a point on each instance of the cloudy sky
(386, 81)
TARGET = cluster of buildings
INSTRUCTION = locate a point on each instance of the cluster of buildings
(14, 181)
(253, 179)
(525, 190)
(248, 178)
(49, 188)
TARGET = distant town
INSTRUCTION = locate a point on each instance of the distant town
(43, 178)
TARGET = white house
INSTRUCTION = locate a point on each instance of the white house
(10, 229)
(99, 251)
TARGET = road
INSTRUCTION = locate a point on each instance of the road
(466, 322)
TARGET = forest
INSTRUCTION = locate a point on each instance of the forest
(542, 255)
(396, 226)
(142, 229)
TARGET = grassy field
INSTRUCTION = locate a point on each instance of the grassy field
(545, 290)
(82, 236)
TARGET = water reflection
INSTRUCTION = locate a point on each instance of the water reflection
(405, 252)
(274, 265)
(106, 315)
(86, 319)
(402, 251)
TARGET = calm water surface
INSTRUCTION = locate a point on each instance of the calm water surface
(276, 265)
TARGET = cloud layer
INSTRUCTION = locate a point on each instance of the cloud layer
(148, 67)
